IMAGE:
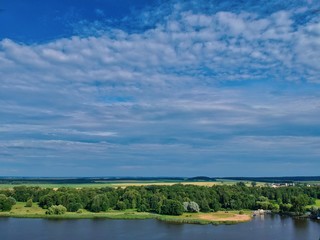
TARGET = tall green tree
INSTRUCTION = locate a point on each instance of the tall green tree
(172, 207)
(6, 203)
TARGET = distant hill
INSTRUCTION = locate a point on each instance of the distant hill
(201, 178)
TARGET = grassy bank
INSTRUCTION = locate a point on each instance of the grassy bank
(20, 211)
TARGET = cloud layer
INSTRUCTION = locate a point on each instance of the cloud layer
(219, 92)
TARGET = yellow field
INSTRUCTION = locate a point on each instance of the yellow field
(124, 184)
(224, 216)
(208, 184)
(109, 184)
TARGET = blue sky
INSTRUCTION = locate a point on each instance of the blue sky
(159, 88)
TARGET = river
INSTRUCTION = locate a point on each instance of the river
(270, 227)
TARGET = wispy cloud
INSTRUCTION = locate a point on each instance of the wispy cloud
(200, 87)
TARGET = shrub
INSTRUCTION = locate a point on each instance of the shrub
(12, 200)
(121, 206)
(29, 203)
(285, 207)
(6, 203)
(142, 208)
(191, 207)
(56, 210)
(74, 207)
(79, 211)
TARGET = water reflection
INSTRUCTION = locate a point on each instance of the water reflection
(266, 227)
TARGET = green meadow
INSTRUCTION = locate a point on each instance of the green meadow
(19, 210)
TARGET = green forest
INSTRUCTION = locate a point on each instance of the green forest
(167, 200)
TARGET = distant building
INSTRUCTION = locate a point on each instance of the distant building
(275, 185)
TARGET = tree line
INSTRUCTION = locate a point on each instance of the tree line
(170, 200)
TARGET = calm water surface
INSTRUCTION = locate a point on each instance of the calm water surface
(262, 228)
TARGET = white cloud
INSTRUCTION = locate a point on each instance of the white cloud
(210, 41)
(199, 86)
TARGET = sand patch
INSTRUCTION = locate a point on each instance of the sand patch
(224, 217)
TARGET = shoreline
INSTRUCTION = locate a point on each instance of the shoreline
(231, 217)
(165, 218)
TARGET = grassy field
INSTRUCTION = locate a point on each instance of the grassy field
(49, 185)
(19, 210)
(111, 184)
(317, 204)
(124, 184)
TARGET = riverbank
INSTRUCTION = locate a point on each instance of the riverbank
(231, 217)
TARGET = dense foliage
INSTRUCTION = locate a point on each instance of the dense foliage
(191, 207)
(56, 210)
(172, 200)
(6, 203)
